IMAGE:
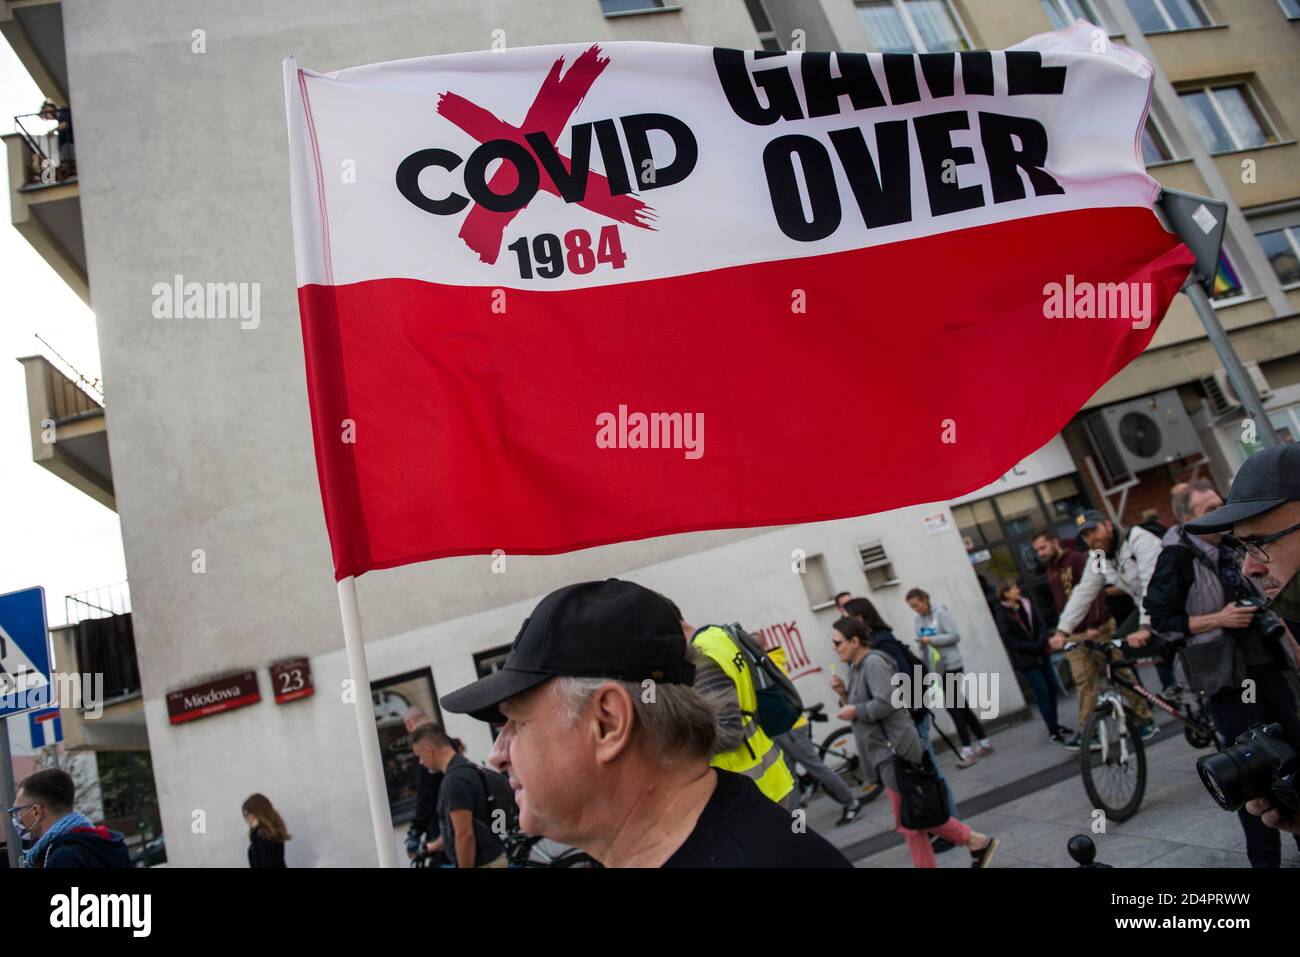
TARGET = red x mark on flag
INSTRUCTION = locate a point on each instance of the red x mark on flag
(556, 100)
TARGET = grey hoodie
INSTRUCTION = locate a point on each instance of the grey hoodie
(944, 639)
(877, 723)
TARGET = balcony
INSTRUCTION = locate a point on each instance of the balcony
(69, 434)
(34, 28)
(99, 642)
(45, 199)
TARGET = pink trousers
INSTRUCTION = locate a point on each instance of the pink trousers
(918, 842)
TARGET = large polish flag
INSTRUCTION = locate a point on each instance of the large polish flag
(554, 297)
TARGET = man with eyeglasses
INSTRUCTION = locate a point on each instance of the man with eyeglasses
(1199, 599)
(1262, 521)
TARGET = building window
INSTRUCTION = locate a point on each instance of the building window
(392, 697)
(1291, 8)
(817, 582)
(1163, 16)
(763, 24)
(913, 26)
(630, 6)
(1154, 147)
(1227, 118)
(1062, 13)
(1282, 247)
(1227, 285)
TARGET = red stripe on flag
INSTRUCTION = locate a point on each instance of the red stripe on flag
(477, 431)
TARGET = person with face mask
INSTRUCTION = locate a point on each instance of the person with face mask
(43, 811)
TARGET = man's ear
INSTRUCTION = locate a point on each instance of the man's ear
(609, 718)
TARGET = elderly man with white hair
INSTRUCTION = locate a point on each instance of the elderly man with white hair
(607, 743)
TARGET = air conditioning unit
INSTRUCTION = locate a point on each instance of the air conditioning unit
(1223, 397)
(1130, 437)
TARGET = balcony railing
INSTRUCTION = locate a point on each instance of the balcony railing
(47, 165)
(105, 638)
(71, 392)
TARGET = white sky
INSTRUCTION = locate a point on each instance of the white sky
(50, 533)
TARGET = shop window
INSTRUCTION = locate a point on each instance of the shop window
(1021, 514)
(977, 522)
(1064, 500)
(392, 697)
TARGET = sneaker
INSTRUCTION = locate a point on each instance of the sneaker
(850, 813)
(1076, 742)
(969, 761)
(985, 750)
(1148, 730)
(869, 793)
(1060, 735)
(941, 844)
(984, 856)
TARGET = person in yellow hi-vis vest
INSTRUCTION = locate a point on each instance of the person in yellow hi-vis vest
(723, 674)
(728, 677)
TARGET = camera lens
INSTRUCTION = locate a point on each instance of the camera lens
(1236, 774)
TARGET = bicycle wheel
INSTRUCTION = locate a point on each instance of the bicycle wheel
(840, 754)
(1115, 776)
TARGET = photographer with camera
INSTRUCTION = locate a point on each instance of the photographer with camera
(1261, 519)
(1199, 599)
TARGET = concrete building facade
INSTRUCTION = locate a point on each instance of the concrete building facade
(182, 171)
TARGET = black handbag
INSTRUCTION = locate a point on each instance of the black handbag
(923, 799)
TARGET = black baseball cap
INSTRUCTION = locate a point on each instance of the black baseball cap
(1266, 480)
(1089, 519)
(609, 629)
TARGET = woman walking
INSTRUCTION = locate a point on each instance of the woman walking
(885, 733)
(937, 633)
(266, 832)
(1025, 635)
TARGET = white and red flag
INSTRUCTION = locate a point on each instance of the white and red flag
(554, 297)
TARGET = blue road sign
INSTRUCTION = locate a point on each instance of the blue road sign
(26, 657)
(46, 727)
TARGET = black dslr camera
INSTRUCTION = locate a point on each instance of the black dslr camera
(1269, 624)
(1259, 764)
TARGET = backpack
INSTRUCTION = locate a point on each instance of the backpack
(499, 796)
(1152, 526)
(779, 703)
(907, 663)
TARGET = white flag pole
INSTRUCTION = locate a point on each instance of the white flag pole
(371, 765)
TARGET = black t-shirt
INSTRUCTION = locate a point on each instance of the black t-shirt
(463, 790)
(742, 827)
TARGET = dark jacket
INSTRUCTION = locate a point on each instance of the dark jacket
(1066, 572)
(263, 851)
(86, 847)
(1027, 647)
(427, 784)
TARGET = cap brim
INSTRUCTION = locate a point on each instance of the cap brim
(481, 699)
(1225, 516)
